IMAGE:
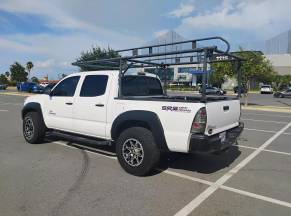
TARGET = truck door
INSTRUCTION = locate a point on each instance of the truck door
(59, 106)
(89, 113)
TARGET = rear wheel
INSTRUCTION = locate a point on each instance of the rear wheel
(33, 128)
(137, 151)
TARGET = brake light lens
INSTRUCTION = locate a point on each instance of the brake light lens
(199, 122)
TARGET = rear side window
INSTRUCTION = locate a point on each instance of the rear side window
(94, 85)
(141, 86)
(67, 87)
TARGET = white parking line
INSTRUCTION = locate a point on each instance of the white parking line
(202, 181)
(3, 110)
(15, 104)
(266, 131)
(210, 190)
(88, 151)
(258, 114)
(266, 150)
(257, 196)
(258, 120)
(172, 173)
(238, 191)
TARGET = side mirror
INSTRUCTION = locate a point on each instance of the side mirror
(47, 91)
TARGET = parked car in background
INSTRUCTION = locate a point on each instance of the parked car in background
(36, 89)
(25, 86)
(213, 91)
(266, 89)
(3, 86)
(243, 89)
(44, 84)
(282, 94)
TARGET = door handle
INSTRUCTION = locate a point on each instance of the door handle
(69, 103)
(99, 105)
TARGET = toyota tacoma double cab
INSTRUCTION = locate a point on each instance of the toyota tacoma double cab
(142, 124)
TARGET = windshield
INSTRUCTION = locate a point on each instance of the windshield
(141, 86)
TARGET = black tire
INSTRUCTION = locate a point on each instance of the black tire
(151, 153)
(37, 128)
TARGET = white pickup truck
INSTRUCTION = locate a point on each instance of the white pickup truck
(143, 123)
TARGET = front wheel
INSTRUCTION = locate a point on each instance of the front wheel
(137, 151)
(33, 128)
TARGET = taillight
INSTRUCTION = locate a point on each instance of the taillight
(199, 122)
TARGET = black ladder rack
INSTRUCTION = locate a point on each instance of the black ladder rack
(190, 52)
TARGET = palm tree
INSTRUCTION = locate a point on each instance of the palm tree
(29, 66)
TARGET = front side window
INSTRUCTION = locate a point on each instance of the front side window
(67, 87)
(94, 85)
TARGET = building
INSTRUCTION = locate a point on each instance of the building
(281, 63)
(178, 74)
(278, 51)
(280, 44)
(190, 75)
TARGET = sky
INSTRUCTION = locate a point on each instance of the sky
(52, 34)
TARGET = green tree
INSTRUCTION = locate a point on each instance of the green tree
(3, 79)
(281, 82)
(7, 74)
(96, 53)
(255, 67)
(18, 73)
(34, 79)
(220, 71)
(29, 66)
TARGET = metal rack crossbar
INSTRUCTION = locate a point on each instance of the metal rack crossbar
(190, 52)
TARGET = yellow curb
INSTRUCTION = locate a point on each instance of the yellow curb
(268, 109)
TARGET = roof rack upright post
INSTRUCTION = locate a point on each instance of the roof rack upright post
(204, 75)
(120, 75)
(165, 71)
(238, 70)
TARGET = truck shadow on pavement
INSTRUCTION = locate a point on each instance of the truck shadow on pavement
(201, 163)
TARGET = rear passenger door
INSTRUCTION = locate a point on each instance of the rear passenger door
(90, 111)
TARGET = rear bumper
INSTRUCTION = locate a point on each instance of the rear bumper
(209, 144)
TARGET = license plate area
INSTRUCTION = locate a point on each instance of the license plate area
(222, 136)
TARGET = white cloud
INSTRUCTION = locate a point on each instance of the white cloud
(160, 33)
(183, 10)
(13, 45)
(261, 17)
(60, 18)
(45, 64)
(51, 51)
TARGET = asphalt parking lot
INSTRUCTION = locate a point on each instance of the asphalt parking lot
(71, 176)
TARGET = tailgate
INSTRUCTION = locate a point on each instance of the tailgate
(222, 115)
